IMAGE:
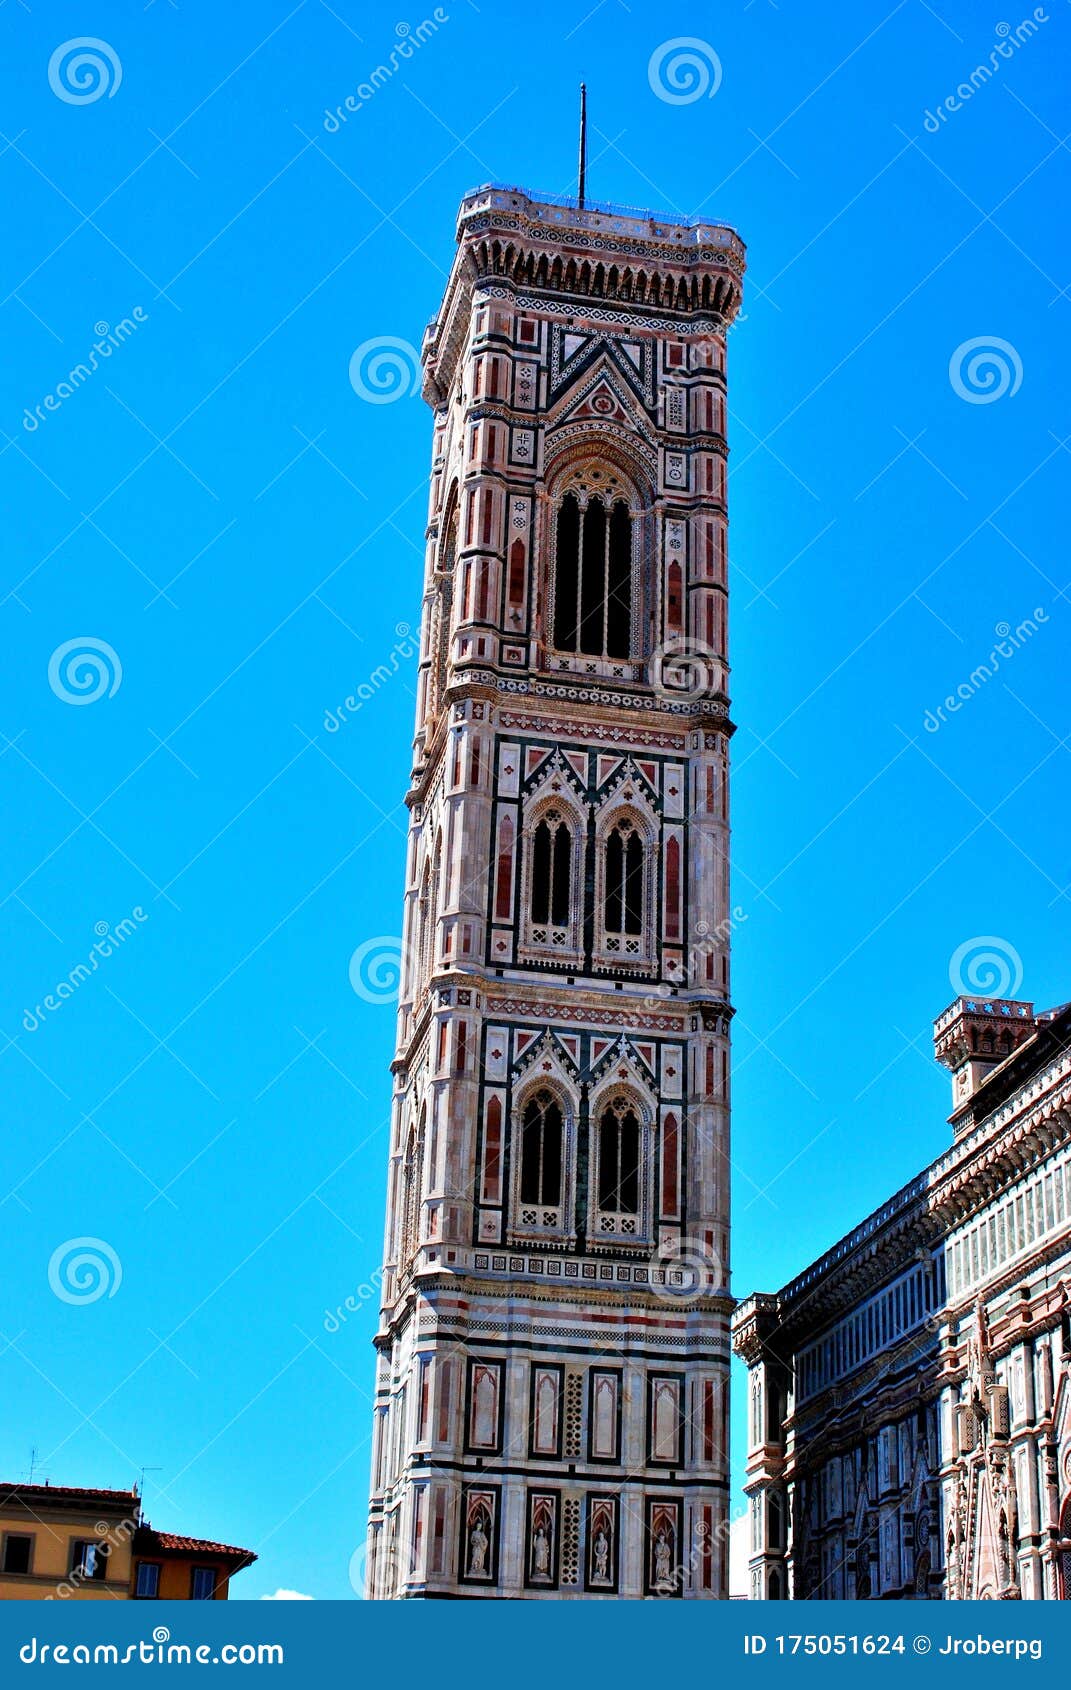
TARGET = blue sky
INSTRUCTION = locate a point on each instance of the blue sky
(217, 506)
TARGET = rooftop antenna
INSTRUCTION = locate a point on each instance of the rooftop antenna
(583, 172)
(140, 1487)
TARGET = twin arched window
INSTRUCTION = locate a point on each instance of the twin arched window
(616, 1196)
(593, 577)
(621, 886)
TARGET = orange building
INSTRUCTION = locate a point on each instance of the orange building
(184, 1568)
(59, 1543)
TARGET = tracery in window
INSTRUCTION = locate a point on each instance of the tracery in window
(412, 1172)
(542, 1176)
(623, 897)
(541, 1150)
(549, 897)
(593, 575)
(551, 854)
(619, 1159)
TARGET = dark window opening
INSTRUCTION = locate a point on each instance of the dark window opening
(17, 1553)
(619, 584)
(624, 880)
(593, 579)
(551, 850)
(541, 1151)
(619, 1159)
(568, 575)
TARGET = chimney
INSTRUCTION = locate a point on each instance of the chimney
(974, 1035)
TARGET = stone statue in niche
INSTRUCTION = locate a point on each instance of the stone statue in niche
(601, 1547)
(540, 1554)
(478, 1551)
(663, 1559)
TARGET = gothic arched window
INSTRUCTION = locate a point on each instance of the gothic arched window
(411, 1192)
(623, 899)
(542, 1130)
(552, 849)
(593, 577)
(619, 1158)
(1065, 1552)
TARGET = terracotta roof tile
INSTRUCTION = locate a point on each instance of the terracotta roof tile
(174, 1543)
(66, 1493)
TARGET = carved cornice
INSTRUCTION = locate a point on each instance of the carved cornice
(507, 240)
(958, 1185)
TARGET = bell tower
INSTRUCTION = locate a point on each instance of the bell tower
(551, 1415)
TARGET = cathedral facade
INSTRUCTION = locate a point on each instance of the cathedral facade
(551, 1415)
(909, 1410)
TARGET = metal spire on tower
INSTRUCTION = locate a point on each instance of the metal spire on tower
(583, 172)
